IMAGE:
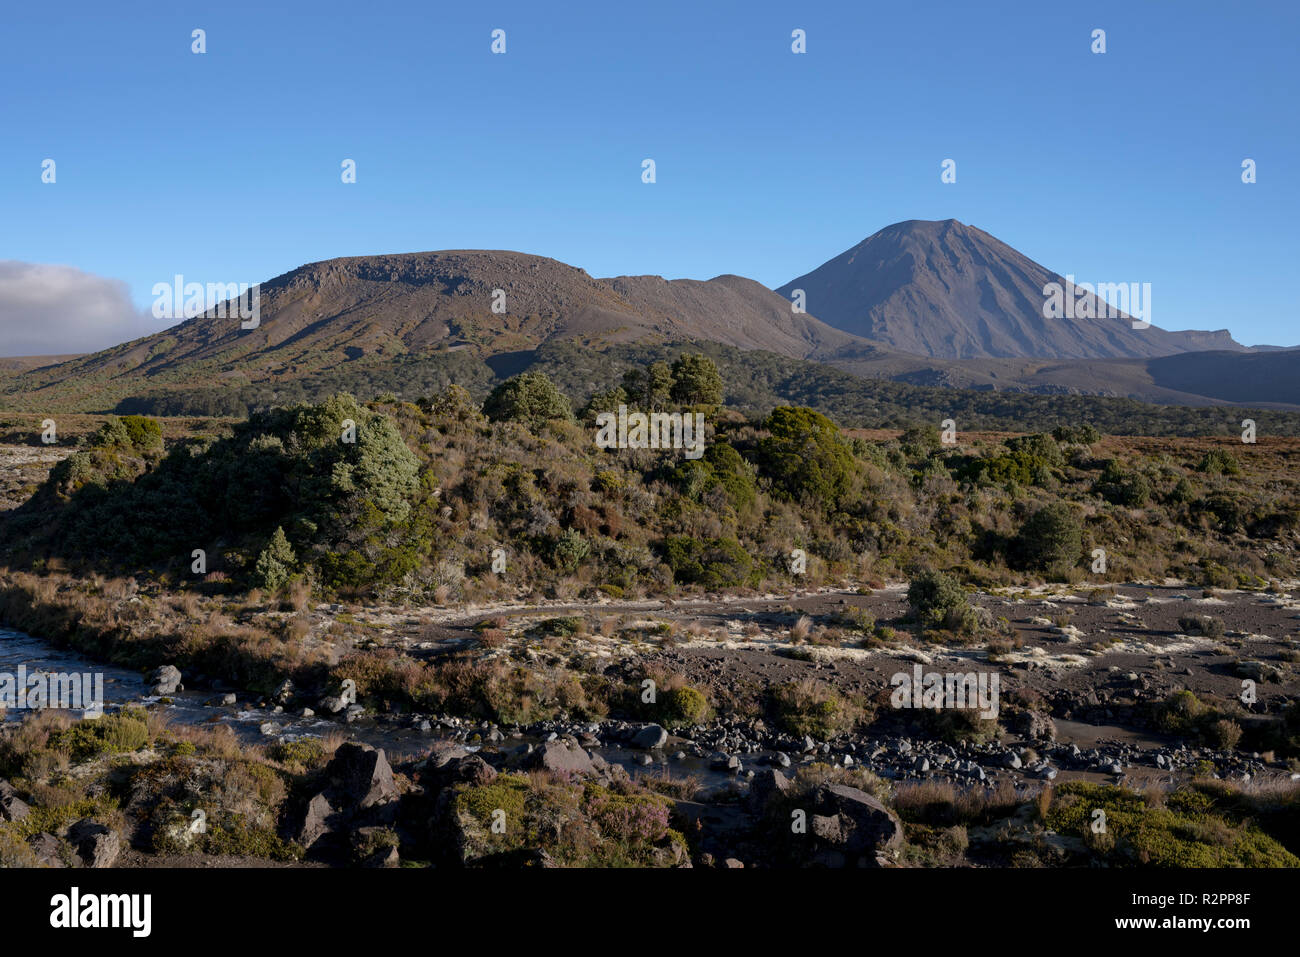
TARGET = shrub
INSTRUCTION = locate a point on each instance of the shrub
(1051, 540)
(1224, 733)
(530, 399)
(685, 705)
(275, 563)
(811, 708)
(1076, 434)
(1219, 462)
(119, 733)
(569, 550)
(1130, 489)
(1206, 625)
(805, 456)
(712, 562)
(933, 596)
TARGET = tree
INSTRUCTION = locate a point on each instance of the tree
(275, 564)
(805, 456)
(650, 388)
(530, 399)
(342, 474)
(696, 381)
(1051, 540)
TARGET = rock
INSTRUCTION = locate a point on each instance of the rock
(467, 768)
(167, 680)
(650, 737)
(321, 818)
(96, 845)
(333, 704)
(766, 785)
(1257, 671)
(308, 713)
(361, 775)
(267, 728)
(1011, 760)
(921, 764)
(852, 827)
(12, 807)
(1035, 726)
(229, 699)
(561, 756)
(781, 759)
(47, 848)
(387, 857)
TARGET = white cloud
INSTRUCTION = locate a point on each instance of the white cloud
(57, 310)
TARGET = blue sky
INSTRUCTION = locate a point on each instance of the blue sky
(1123, 166)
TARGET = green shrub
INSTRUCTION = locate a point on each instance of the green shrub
(530, 399)
(934, 596)
(684, 705)
(1219, 462)
(711, 562)
(275, 564)
(810, 708)
(118, 733)
(805, 456)
(1051, 540)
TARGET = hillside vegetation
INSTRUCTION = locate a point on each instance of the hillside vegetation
(424, 498)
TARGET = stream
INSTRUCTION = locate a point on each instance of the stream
(202, 708)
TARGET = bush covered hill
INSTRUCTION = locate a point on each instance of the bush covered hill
(757, 382)
(436, 499)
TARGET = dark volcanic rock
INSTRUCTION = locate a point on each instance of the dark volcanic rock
(851, 828)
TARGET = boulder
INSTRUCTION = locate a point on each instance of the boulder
(167, 680)
(767, 785)
(47, 848)
(284, 694)
(321, 818)
(465, 768)
(361, 775)
(561, 756)
(1035, 726)
(852, 828)
(12, 807)
(96, 845)
(650, 737)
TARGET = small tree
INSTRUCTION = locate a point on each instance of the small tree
(1051, 540)
(530, 398)
(276, 563)
(805, 455)
(696, 381)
